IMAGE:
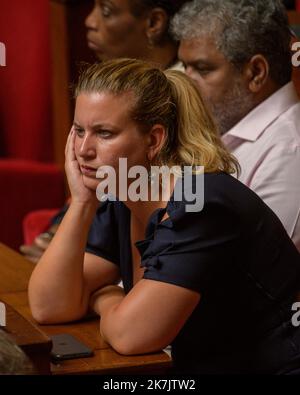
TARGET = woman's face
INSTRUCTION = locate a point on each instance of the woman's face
(113, 31)
(105, 132)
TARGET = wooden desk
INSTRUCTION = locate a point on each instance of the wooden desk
(14, 276)
(15, 271)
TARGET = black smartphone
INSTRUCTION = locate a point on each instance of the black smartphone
(66, 346)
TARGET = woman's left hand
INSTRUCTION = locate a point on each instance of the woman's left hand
(79, 192)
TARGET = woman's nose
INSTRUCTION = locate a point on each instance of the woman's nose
(87, 147)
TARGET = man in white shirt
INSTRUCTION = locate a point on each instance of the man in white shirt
(239, 54)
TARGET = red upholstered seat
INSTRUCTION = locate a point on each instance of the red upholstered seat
(25, 82)
(28, 177)
(26, 186)
(36, 222)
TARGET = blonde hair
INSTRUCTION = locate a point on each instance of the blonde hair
(171, 99)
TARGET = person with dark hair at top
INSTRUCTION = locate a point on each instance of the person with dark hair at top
(135, 29)
(123, 28)
(217, 283)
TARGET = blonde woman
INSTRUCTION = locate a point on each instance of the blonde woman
(116, 29)
(217, 284)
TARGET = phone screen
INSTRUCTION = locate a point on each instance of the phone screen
(66, 346)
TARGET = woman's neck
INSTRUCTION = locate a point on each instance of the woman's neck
(142, 210)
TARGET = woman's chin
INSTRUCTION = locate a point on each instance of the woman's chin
(90, 183)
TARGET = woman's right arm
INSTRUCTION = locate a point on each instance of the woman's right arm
(63, 280)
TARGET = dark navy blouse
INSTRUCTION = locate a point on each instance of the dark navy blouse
(237, 255)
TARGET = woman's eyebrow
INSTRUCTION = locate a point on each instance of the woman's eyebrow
(77, 125)
(109, 126)
(97, 126)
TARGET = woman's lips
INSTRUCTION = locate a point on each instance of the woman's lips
(88, 171)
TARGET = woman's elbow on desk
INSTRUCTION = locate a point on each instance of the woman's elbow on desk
(147, 319)
(131, 348)
(52, 304)
(48, 310)
(127, 342)
(45, 316)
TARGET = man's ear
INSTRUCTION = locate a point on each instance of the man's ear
(157, 24)
(156, 139)
(257, 72)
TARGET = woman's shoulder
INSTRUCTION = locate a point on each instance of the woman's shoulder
(193, 192)
(218, 197)
(224, 184)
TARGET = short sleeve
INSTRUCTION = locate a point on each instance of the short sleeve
(192, 249)
(103, 235)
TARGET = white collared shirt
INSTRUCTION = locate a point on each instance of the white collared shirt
(267, 145)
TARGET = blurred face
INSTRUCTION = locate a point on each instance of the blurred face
(221, 85)
(105, 133)
(113, 32)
